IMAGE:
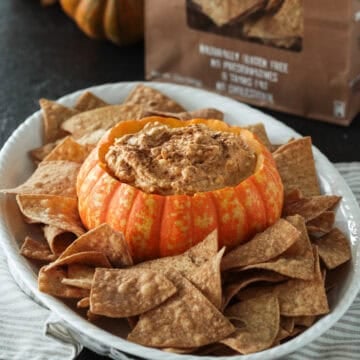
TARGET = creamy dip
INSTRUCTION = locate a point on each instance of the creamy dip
(164, 160)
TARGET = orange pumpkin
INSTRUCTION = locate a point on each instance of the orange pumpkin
(120, 21)
(158, 225)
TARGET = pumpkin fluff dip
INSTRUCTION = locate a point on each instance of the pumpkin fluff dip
(167, 183)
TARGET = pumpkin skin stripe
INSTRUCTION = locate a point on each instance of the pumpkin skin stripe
(232, 217)
(93, 178)
(142, 231)
(89, 164)
(254, 207)
(120, 206)
(176, 226)
(204, 216)
(269, 191)
(100, 197)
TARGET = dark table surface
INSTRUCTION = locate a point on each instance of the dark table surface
(43, 54)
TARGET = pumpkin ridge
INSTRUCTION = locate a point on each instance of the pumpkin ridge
(261, 193)
(217, 215)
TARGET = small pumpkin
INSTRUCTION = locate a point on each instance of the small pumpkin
(161, 225)
(120, 21)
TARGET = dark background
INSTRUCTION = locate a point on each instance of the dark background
(43, 54)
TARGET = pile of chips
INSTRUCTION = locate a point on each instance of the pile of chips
(207, 300)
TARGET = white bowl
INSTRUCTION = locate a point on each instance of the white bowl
(15, 167)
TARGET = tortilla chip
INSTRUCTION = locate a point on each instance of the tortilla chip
(58, 239)
(103, 118)
(292, 196)
(69, 150)
(298, 260)
(304, 298)
(185, 320)
(322, 223)
(105, 240)
(261, 318)
(260, 132)
(40, 153)
(88, 101)
(334, 248)
(58, 211)
(91, 138)
(80, 283)
(76, 271)
(83, 303)
(225, 11)
(305, 321)
(279, 28)
(128, 292)
(262, 247)
(188, 115)
(153, 99)
(247, 279)
(50, 178)
(190, 260)
(273, 4)
(296, 166)
(310, 208)
(54, 115)
(287, 323)
(36, 250)
(207, 278)
(90, 258)
(49, 281)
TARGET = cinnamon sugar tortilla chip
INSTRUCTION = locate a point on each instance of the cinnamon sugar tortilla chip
(91, 138)
(103, 118)
(261, 318)
(88, 101)
(49, 281)
(188, 115)
(69, 150)
(304, 297)
(185, 320)
(80, 283)
(58, 239)
(36, 250)
(298, 260)
(334, 248)
(292, 196)
(128, 292)
(207, 278)
(76, 271)
(263, 247)
(287, 323)
(310, 208)
(278, 28)
(50, 178)
(247, 279)
(296, 166)
(305, 321)
(83, 303)
(54, 115)
(273, 4)
(91, 258)
(190, 260)
(41, 152)
(322, 223)
(224, 11)
(103, 239)
(260, 132)
(153, 99)
(58, 211)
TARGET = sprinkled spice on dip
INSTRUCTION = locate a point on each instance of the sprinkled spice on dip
(163, 160)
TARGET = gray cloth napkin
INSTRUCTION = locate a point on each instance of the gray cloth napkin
(30, 331)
